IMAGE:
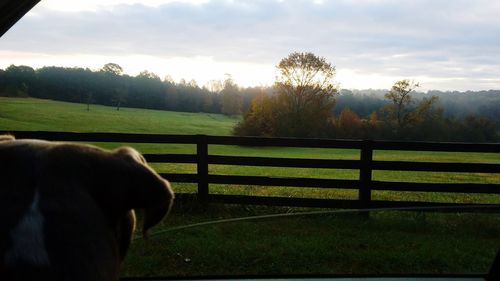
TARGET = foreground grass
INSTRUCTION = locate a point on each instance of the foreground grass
(389, 242)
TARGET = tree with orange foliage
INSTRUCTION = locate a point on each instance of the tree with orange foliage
(260, 119)
(349, 124)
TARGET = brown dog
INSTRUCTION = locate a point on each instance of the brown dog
(67, 210)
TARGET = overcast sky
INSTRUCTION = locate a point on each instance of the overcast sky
(445, 45)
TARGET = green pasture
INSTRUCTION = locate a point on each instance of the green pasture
(389, 242)
(46, 115)
(27, 114)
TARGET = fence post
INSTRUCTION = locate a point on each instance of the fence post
(202, 170)
(365, 174)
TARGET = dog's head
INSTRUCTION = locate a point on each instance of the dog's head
(77, 203)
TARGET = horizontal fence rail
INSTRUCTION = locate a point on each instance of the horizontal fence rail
(365, 166)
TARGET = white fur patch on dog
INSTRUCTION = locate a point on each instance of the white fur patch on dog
(28, 244)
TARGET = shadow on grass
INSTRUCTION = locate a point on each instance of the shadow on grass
(389, 242)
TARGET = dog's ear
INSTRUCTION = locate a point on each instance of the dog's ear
(144, 188)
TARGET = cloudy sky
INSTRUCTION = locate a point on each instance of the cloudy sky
(445, 45)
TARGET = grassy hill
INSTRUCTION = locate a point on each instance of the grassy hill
(45, 115)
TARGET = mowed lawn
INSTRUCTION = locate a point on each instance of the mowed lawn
(389, 242)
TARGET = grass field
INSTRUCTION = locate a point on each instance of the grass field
(389, 242)
(35, 114)
(45, 115)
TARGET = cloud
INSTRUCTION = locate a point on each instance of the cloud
(411, 38)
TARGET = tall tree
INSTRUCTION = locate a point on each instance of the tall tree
(306, 94)
(400, 97)
(301, 103)
(231, 99)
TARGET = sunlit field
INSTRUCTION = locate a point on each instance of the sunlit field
(388, 242)
(45, 115)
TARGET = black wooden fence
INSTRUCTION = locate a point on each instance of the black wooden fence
(365, 184)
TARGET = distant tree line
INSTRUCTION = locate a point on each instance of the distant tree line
(300, 106)
(456, 105)
(436, 115)
(406, 118)
(109, 86)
